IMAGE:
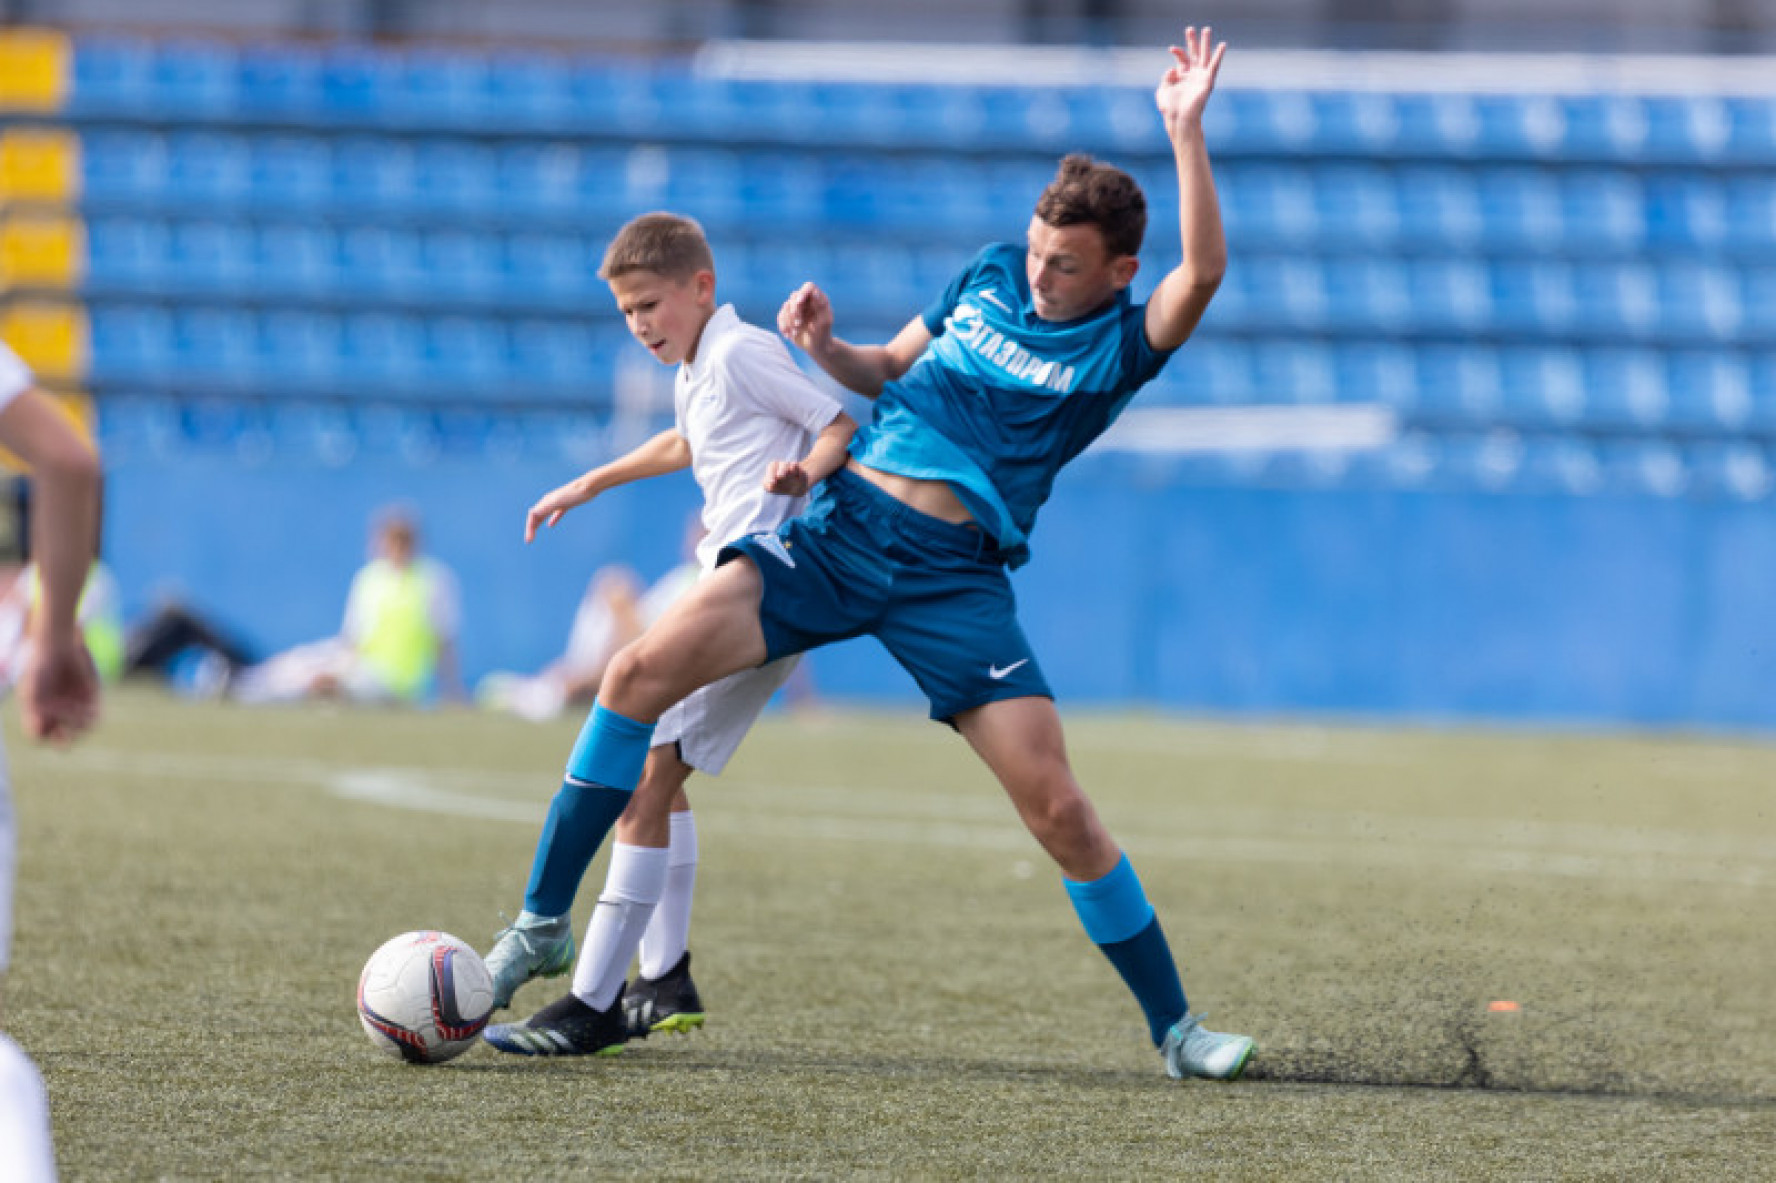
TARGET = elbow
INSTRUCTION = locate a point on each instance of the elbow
(74, 461)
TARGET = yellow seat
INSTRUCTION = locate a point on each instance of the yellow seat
(52, 338)
(40, 166)
(34, 70)
(42, 250)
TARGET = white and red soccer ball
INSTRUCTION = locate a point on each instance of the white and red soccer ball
(424, 997)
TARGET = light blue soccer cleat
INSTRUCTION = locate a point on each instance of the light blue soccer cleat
(531, 947)
(1190, 1049)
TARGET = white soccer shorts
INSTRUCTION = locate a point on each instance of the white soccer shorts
(710, 723)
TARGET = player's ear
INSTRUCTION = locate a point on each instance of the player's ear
(1122, 270)
(705, 281)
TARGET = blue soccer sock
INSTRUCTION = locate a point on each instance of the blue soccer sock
(1120, 921)
(602, 773)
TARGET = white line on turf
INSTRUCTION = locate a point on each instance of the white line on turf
(981, 821)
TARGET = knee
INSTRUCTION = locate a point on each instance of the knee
(628, 678)
(1059, 814)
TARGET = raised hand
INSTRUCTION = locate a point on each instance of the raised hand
(1184, 89)
(806, 318)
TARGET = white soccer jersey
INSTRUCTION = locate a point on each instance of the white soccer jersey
(15, 379)
(740, 405)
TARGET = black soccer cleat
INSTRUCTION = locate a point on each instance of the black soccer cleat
(666, 1003)
(566, 1027)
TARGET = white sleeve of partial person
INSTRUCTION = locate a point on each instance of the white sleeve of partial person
(15, 376)
(771, 380)
(446, 606)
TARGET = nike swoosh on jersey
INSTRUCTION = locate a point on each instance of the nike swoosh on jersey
(991, 296)
(995, 673)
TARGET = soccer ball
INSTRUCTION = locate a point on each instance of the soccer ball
(424, 996)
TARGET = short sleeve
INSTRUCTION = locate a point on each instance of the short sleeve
(1141, 362)
(762, 368)
(940, 308)
(15, 376)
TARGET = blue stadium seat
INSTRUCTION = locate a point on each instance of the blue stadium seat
(558, 359)
(553, 271)
(462, 265)
(1758, 301)
(1626, 389)
(384, 262)
(304, 351)
(1750, 214)
(1031, 117)
(1712, 390)
(1376, 372)
(374, 175)
(1646, 468)
(299, 259)
(193, 80)
(1295, 371)
(1617, 299)
(1542, 386)
(290, 173)
(704, 183)
(1750, 131)
(217, 348)
(1739, 470)
(545, 179)
(1687, 212)
(1356, 123)
(467, 355)
(1450, 295)
(111, 76)
(212, 259)
(1699, 301)
(1521, 207)
(1360, 201)
(1120, 119)
(1518, 127)
(1602, 210)
(859, 113)
(207, 170)
(1439, 207)
(1214, 370)
(384, 353)
(132, 424)
(1282, 206)
(126, 254)
(1368, 294)
(278, 82)
(352, 80)
(1460, 385)
(435, 88)
(783, 188)
(618, 100)
(131, 343)
(530, 92)
(1569, 465)
(455, 175)
(122, 168)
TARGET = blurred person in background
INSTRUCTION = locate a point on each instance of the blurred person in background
(58, 688)
(397, 644)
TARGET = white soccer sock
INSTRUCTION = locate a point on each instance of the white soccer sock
(631, 891)
(25, 1151)
(668, 933)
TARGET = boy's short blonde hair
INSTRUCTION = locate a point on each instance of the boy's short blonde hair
(666, 244)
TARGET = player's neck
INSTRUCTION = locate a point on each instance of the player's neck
(697, 342)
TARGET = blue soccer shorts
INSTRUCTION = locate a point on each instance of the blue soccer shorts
(857, 562)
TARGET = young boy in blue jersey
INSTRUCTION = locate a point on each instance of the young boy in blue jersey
(1028, 356)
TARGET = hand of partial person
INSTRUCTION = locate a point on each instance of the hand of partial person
(1184, 89)
(549, 509)
(806, 318)
(788, 477)
(59, 690)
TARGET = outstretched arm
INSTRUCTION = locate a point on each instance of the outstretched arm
(795, 477)
(664, 453)
(807, 319)
(1183, 295)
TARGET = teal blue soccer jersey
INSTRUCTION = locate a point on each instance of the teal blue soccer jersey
(1002, 398)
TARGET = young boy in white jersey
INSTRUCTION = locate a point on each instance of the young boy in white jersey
(757, 434)
(58, 689)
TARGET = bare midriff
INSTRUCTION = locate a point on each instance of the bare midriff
(934, 498)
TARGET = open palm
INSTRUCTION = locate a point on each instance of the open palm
(1185, 88)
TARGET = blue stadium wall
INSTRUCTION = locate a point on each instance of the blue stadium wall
(1147, 588)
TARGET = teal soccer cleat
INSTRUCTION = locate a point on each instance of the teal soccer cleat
(1190, 1049)
(532, 947)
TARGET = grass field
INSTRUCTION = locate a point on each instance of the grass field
(897, 986)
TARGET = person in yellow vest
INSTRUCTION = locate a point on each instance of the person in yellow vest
(398, 643)
(98, 617)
